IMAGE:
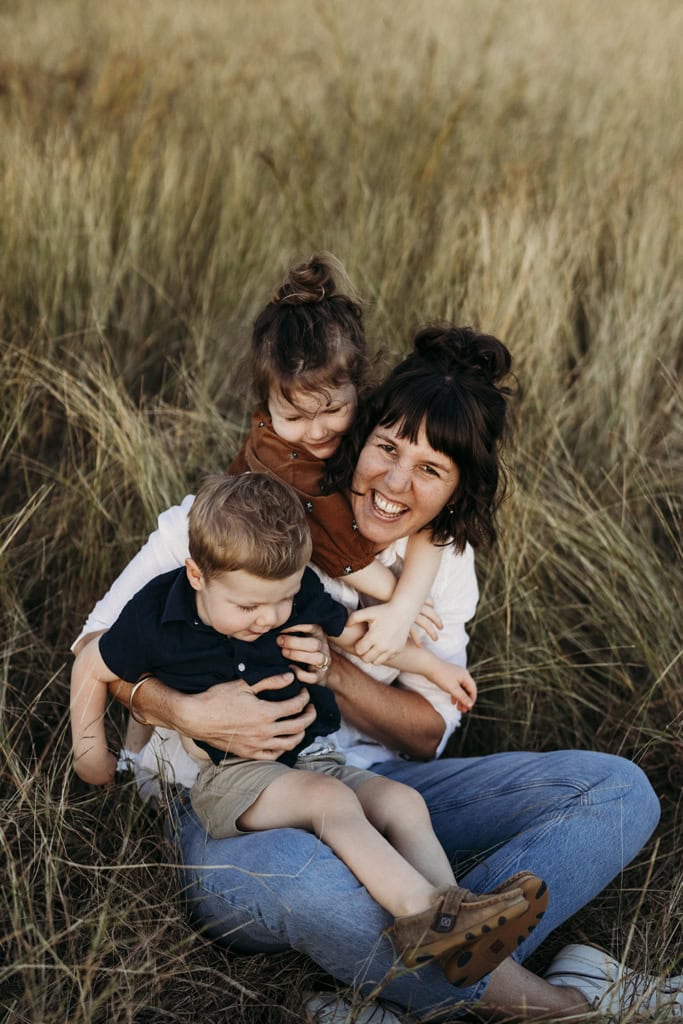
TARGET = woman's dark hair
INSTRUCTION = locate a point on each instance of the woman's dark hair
(451, 382)
(310, 335)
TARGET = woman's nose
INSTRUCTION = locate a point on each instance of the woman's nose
(397, 478)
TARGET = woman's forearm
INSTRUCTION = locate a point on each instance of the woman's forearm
(400, 719)
(229, 716)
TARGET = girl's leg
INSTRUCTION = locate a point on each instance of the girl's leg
(400, 814)
(325, 806)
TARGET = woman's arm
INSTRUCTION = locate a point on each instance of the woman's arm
(228, 716)
(93, 761)
(165, 549)
(400, 719)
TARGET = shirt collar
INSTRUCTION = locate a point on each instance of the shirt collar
(180, 602)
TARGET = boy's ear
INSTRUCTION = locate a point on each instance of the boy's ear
(194, 574)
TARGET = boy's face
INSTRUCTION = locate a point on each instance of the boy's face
(316, 421)
(241, 605)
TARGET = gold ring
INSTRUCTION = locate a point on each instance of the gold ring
(325, 664)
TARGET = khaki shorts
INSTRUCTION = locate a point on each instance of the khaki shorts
(223, 792)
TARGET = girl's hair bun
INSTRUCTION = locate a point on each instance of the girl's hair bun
(312, 281)
(455, 349)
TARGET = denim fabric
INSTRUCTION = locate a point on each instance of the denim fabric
(575, 818)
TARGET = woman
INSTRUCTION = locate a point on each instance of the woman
(574, 818)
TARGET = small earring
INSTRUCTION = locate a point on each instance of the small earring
(451, 509)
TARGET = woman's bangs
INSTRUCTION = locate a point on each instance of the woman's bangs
(409, 407)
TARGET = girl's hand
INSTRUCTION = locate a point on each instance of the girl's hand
(307, 644)
(388, 630)
(457, 681)
(386, 634)
(429, 620)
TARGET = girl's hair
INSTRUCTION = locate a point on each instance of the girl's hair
(451, 382)
(310, 335)
(253, 522)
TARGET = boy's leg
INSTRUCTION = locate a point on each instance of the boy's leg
(271, 891)
(330, 810)
(400, 813)
(574, 818)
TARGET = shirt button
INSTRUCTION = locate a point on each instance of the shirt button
(241, 667)
(347, 570)
(309, 506)
(293, 455)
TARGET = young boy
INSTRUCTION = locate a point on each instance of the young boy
(219, 618)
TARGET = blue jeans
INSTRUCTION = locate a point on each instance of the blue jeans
(575, 818)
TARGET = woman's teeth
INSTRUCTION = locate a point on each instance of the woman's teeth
(388, 508)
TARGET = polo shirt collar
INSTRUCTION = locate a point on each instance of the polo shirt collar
(181, 605)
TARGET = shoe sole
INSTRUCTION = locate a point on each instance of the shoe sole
(465, 967)
(485, 930)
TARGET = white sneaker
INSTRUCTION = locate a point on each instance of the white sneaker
(612, 988)
(329, 1008)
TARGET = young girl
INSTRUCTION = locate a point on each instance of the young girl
(310, 371)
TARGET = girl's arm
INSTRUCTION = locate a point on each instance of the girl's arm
(452, 679)
(404, 609)
(93, 761)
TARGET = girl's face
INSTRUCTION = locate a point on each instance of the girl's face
(315, 420)
(399, 487)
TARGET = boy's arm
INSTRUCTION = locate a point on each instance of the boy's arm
(93, 761)
(390, 624)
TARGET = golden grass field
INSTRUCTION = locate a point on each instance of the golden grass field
(515, 166)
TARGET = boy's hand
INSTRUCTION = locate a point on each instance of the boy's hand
(307, 644)
(457, 681)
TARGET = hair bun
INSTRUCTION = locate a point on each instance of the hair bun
(308, 282)
(455, 349)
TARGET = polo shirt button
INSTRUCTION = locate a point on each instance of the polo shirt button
(241, 667)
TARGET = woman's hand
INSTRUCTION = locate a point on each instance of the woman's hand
(229, 716)
(307, 644)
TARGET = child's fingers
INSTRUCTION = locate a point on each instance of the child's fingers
(429, 612)
(427, 625)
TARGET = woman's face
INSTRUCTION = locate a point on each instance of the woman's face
(399, 486)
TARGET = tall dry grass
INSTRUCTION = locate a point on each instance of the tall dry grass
(515, 166)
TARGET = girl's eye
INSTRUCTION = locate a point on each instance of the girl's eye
(244, 608)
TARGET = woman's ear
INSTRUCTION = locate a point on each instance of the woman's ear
(194, 574)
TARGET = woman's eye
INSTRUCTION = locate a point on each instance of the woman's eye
(388, 448)
(430, 471)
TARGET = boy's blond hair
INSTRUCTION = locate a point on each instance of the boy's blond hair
(252, 522)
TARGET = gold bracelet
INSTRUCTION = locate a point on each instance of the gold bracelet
(136, 687)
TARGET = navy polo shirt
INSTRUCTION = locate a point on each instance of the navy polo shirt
(159, 631)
